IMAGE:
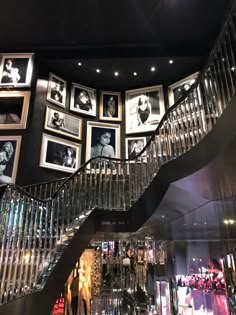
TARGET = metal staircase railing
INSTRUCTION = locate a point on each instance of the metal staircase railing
(37, 222)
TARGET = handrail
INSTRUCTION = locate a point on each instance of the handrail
(38, 221)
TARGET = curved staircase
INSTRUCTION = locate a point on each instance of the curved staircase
(44, 228)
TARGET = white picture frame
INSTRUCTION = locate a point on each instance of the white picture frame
(63, 123)
(176, 90)
(56, 92)
(10, 158)
(83, 100)
(54, 154)
(14, 106)
(133, 146)
(94, 132)
(16, 70)
(144, 109)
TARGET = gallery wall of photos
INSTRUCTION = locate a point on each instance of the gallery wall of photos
(71, 122)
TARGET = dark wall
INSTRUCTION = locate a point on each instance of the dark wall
(29, 171)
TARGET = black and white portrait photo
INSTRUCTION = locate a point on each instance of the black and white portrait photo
(16, 69)
(177, 90)
(144, 109)
(63, 123)
(102, 139)
(134, 146)
(60, 154)
(110, 106)
(9, 156)
(83, 100)
(56, 90)
(14, 107)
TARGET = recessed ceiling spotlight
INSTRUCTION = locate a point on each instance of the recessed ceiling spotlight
(171, 61)
(79, 64)
(116, 73)
(153, 69)
(135, 73)
(98, 70)
(162, 216)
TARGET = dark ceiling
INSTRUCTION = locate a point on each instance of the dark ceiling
(124, 36)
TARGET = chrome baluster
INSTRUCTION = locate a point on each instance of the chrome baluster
(228, 73)
(224, 76)
(142, 173)
(202, 113)
(209, 98)
(195, 112)
(34, 251)
(122, 186)
(188, 101)
(95, 172)
(173, 133)
(12, 246)
(222, 90)
(117, 179)
(18, 241)
(179, 117)
(186, 124)
(177, 122)
(161, 146)
(155, 155)
(24, 243)
(126, 187)
(150, 165)
(165, 143)
(231, 57)
(215, 92)
(130, 172)
(220, 95)
(91, 189)
(232, 42)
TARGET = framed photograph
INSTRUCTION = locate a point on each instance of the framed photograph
(60, 154)
(56, 90)
(102, 139)
(16, 70)
(133, 146)
(110, 106)
(83, 100)
(144, 109)
(14, 106)
(63, 123)
(9, 157)
(176, 90)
